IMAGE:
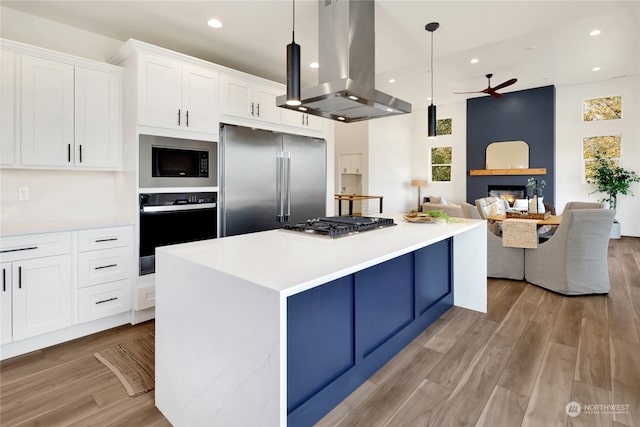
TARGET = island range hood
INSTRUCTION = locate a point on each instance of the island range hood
(347, 67)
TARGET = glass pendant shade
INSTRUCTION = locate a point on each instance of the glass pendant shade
(293, 74)
(431, 121)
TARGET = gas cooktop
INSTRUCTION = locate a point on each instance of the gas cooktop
(337, 226)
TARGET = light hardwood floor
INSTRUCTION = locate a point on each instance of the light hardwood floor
(519, 364)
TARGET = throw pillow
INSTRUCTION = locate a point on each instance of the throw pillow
(435, 199)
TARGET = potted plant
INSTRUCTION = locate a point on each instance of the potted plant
(534, 189)
(611, 180)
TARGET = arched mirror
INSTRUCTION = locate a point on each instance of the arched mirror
(507, 155)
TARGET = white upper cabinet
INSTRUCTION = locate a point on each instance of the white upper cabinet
(59, 111)
(98, 119)
(249, 99)
(299, 119)
(177, 95)
(47, 127)
(7, 107)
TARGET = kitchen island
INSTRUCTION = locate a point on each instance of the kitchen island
(278, 327)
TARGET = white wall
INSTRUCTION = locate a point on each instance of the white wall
(60, 195)
(352, 138)
(25, 28)
(570, 130)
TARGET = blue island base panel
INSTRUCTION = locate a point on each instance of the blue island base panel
(339, 334)
(328, 398)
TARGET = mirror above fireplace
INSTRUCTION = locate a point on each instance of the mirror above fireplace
(507, 155)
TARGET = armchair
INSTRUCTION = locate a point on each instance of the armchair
(574, 260)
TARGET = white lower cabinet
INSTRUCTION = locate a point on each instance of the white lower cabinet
(99, 301)
(37, 285)
(104, 272)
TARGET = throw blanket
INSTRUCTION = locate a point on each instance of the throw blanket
(520, 233)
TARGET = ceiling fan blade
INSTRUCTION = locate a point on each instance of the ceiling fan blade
(475, 91)
(496, 94)
(505, 84)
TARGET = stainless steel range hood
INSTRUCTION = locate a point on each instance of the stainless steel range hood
(347, 67)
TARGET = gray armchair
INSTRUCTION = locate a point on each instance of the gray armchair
(505, 263)
(574, 260)
(583, 205)
(484, 205)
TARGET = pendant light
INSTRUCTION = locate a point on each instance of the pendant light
(293, 66)
(431, 110)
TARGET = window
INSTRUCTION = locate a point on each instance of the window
(609, 108)
(443, 127)
(607, 146)
(441, 164)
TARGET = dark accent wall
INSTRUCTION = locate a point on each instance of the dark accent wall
(526, 115)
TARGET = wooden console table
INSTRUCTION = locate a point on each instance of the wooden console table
(351, 197)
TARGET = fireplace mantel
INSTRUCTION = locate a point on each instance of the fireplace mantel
(529, 171)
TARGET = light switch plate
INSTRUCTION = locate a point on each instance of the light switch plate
(23, 193)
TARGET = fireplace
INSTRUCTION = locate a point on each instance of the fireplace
(508, 192)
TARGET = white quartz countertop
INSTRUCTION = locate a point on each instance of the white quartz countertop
(9, 230)
(291, 262)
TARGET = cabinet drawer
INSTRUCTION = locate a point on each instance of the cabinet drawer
(104, 300)
(103, 266)
(145, 297)
(34, 246)
(104, 238)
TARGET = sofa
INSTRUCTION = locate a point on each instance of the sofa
(453, 209)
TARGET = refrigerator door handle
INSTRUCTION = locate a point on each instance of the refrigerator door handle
(279, 175)
(287, 182)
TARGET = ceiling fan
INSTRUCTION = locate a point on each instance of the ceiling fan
(492, 90)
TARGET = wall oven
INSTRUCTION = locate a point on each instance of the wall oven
(176, 162)
(171, 218)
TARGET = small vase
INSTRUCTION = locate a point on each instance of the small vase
(541, 204)
(533, 205)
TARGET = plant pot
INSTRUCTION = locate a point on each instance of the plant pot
(615, 231)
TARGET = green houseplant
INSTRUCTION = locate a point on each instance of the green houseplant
(612, 180)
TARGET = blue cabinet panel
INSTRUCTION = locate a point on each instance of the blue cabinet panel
(384, 302)
(432, 274)
(320, 338)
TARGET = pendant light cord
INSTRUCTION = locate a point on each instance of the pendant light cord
(431, 67)
(293, 32)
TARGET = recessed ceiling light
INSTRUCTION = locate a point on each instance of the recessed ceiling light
(429, 98)
(474, 61)
(595, 69)
(392, 80)
(594, 33)
(314, 65)
(214, 23)
(341, 118)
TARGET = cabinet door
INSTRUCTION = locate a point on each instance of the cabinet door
(265, 103)
(293, 118)
(200, 99)
(356, 163)
(7, 107)
(5, 303)
(237, 98)
(345, 163)
(160, 86)
(98, 114)
(314, 122)
(41, 295)
(47, 112)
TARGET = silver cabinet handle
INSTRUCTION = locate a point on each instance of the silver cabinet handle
(4, 280)
(80, 149)
(186, 119)
(179, 113)
(105, 266)
(106, 300)
(69, 153)
(20, 277)
(252, 109)
(258, 109)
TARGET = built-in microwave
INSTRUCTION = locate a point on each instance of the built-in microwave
(176, 162)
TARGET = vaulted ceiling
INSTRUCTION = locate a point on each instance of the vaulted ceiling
(538, 42)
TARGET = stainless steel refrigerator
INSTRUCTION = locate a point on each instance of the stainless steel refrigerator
(269, 178)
